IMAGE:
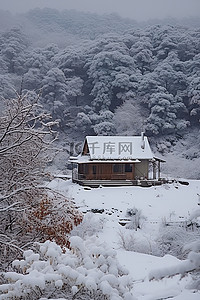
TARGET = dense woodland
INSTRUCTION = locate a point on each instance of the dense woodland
(104, 74)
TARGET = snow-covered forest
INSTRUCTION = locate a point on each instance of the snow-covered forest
(107, 75)
(65, 75)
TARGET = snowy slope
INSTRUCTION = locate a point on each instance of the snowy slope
(167, 203)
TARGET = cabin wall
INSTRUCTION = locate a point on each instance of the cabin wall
(107, 171)
(142, 169)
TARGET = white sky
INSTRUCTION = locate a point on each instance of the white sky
(136, 9)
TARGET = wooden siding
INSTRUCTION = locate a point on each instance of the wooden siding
(107, 171)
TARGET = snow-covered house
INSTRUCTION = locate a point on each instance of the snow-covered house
(116, 160)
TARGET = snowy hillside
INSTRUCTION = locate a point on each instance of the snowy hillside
(168, 204)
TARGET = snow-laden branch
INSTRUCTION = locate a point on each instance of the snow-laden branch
(184, 267)
(24, 189)
(16, 113)
(15, 145)
(191, 264)
(15, 192)
(9, 244)
(10, 207)
(38, 132)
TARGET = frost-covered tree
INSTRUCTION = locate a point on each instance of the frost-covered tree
(110, 70)
(142, 53)
(7, 86)
(55, 94)
(37, 63)
(164, 108)
(147, 86)
(54, 86)
(187, 45)
(163, 38)
(41, 58)
(125, 87)
(3, 66)
(128, 118)
(193, 66)
(169, 78)
(103, 123)
(32, 79)
(13, 45)
(71, 61)
(104, 128)
(83, 122)
(27, 211)
(194, 99)
(167, 44)
(74, 89)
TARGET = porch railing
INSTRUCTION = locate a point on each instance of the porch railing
(101, 176)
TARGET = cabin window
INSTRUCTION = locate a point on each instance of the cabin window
(94, 169)
(85, 169)
(118, 168)
(128, 167)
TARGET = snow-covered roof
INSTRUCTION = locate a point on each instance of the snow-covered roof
(119, 147)
(82, 159)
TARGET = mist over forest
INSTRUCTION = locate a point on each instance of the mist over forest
(105, 75)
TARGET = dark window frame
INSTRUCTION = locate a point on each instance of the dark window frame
(128, 168)
(118, 168)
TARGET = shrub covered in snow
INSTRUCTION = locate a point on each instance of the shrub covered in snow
(189, 265)
(136, 218)
(91, 225)
(89, 269)
(171, 240)
(130, 241)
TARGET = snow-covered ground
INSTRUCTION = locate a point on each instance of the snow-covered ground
(158, 205)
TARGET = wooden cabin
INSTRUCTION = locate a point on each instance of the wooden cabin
(116, 160)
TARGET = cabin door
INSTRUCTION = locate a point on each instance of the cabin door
(129, 171)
